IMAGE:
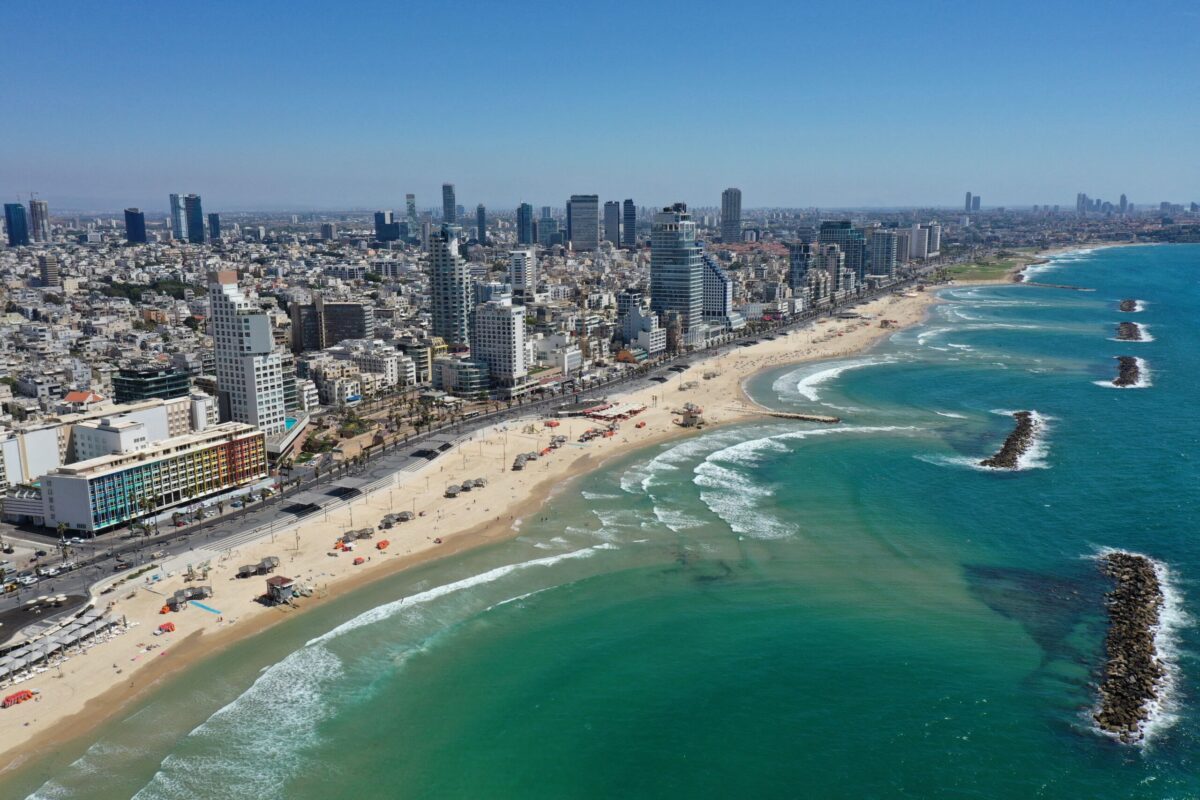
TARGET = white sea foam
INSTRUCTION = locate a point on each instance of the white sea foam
(1143, 381)
(806, 387)
(950, 414)
(387, 610)
(598, 495)
(264, 730)
(737, 499)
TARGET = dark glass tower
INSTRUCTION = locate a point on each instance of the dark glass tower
(17, 224)
(135, 226)
(195, 218)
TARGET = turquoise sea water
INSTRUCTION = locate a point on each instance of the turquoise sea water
(764, 610)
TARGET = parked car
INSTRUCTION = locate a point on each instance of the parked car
(40, 553)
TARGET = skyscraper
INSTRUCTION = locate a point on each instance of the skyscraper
(249, 369)
(522, 271)
(801, 257)
(918, 243)
(676, 266)
(48, 269)
(731, 215)
(16, 223)
(195, 219)
(612, 222)
(135, 226)
(850, 242)
(718, 290)
(883, 252)
(481, 223)
(39, 220)
(449, 287)
(386, 228)
(498, 340)
(1124, 204)
(583, 221)
(410, 206)
(975, 202)
(524, 224)
(629, 225)
(214, 226)
(967, 205)
(449, 209)
(178, 220)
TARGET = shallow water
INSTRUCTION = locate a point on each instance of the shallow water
(764, 610)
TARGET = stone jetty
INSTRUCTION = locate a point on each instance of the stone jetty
(1128, 371)
(1017, 443)
(1133, 673)
(1129, 332)
(1129, 305)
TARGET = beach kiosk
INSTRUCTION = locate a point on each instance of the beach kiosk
(280, 589)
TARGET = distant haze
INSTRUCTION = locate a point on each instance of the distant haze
(298, 105)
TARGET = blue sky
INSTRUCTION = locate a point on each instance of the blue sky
(306, 104)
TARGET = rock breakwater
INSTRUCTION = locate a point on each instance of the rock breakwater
(1129, 372)
(1018, 443)
(1133, 673)
(1129, 332)
(1129, 306)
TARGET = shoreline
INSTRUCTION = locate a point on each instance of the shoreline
(1016, 274)
(90, 693)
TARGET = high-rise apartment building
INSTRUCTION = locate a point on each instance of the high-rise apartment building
(48, 270)
(178, 218)
(410, 208)
(135, 226)
(522, 271)
(629, 224)
(583, 221)
(1124, 207)
(612, 222)
(883, 252)
(322, 324)
(801, 259)
(214, 227)
(450, 287)
(498, 340)
(195, 218)
(524, 224)
(731, 215)
(449, 208)
(16, 223)
(918, 243)
(676, 267)
(328, 231)
(718, 290)
(249, 370)
(481, 223)
(832, 260)
(39, 220)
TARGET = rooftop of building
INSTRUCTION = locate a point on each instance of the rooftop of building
(167, 447)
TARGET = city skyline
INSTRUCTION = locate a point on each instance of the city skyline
(784, 142)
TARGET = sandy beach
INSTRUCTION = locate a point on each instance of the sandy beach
(90, 687)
